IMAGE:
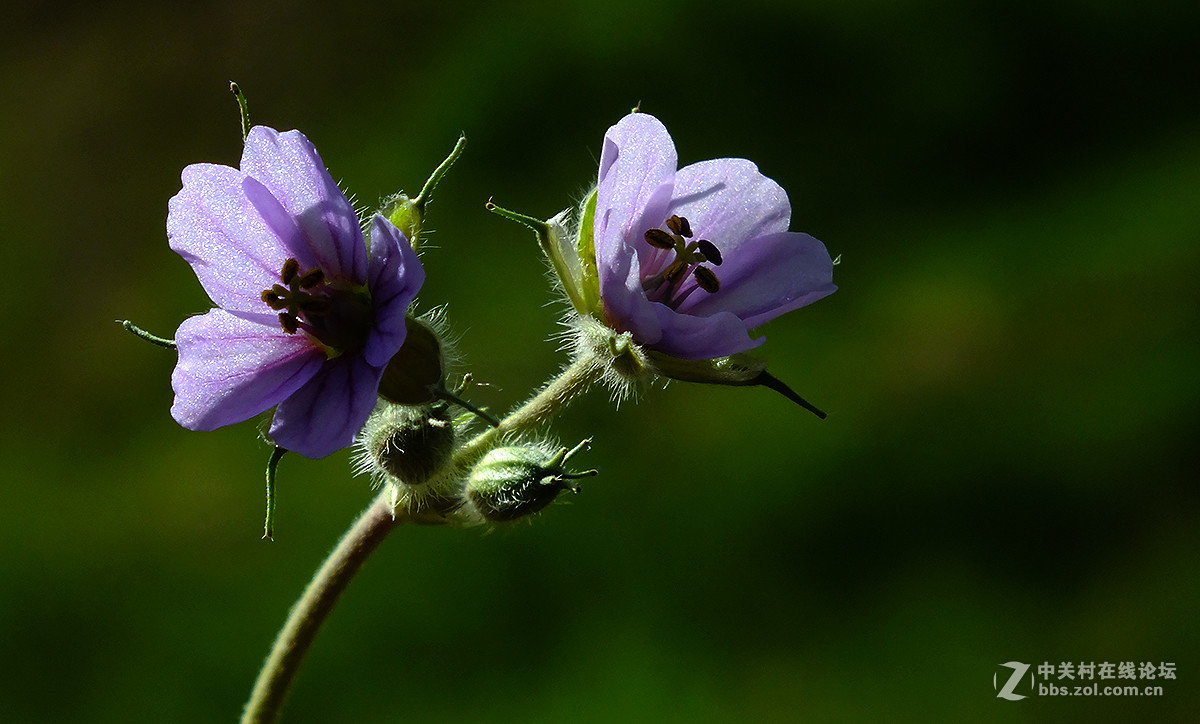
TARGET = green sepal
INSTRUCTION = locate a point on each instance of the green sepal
(552, 238)
(573, 260)
(738, 370)
(626, 357)
(243, 108)
(585, 248)
(416, 372)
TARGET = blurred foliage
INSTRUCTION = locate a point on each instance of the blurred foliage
(1010, 366)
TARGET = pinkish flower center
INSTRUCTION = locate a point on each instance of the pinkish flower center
(335, 314)
(682, 271)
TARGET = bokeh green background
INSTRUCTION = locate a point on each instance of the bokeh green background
(1010, 367)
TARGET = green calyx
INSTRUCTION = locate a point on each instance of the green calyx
(416, 374)
(408, 214)
(585, 246)
(243, 108)
(417, 371)
(405, 216)
(738, 370)
(624, 364)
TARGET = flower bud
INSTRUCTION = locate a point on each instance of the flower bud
(518, 480)
(409, 448)
(406, 215)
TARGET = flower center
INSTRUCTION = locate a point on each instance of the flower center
(685, 272)
(335, 314)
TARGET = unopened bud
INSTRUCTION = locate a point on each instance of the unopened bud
(406, 215)
(514, 481)
(407, 446)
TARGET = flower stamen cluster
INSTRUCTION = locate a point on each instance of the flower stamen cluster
(669, 285)
(337, 316)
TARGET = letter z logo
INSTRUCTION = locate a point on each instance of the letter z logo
(1018, 673)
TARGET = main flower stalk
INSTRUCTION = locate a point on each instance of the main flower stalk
(314, 606)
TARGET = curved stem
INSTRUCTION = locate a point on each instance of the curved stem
(572, 382)
(314, 607)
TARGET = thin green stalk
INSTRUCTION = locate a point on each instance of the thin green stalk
(435, 178)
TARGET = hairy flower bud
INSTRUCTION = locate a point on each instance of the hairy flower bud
(514, 481)
(409, 449)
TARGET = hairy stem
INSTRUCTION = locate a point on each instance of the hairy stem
(314, 607)
(572, 382)
(375, 523)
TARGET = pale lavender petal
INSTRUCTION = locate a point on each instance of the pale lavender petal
(637, 161)
(282, 224)
(625, 304)
(688, 337)
(324, 415)
(768, 276)
(215, 228)
(395, 276)
(651, 260)
(290, 167)
(636, 167)
(638, 158)
(727, 201)
(233, 367)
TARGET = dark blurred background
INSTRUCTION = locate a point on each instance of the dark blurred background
(1010, 367)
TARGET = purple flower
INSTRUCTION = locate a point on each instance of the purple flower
(690, 260)
(306, 322)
